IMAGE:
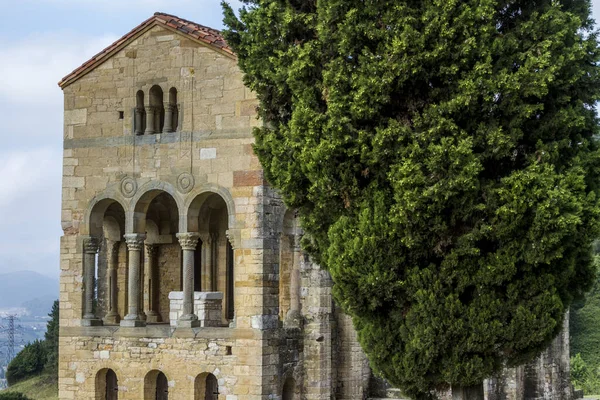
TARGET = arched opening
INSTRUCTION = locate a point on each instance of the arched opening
(289, 389)
(157, 215)
(172, 112)
(157, 106)
(289, 270)
(104, 274)
(107, 387)
(140, 113)
(215, 252)
(206, 387)
(156, 386)
(530, 384)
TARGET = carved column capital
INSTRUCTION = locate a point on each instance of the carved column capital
(188, 240)
(231, 238)
(135, 241)
(150, 109)
(205, 237)
(139, 110)
(91, 245)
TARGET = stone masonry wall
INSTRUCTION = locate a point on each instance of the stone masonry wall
(103, 159)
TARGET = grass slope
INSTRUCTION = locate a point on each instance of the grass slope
(40, 387)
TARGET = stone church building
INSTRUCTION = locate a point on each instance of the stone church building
(181, 272)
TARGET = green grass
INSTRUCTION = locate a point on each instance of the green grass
(41, 387)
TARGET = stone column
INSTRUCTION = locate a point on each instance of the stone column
(207, 260)
(112, 317)
(151, 283)
(214, 272)
(90, 248)
(150, 120)
(293, 319)
(134, 241)
(188, 243)
(168, 118)
(139, 120)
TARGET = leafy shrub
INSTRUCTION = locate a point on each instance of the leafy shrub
(51, 340)
(13, 396)
(583, 376)
(28, 362)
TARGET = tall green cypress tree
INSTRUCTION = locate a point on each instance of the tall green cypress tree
(441, 154)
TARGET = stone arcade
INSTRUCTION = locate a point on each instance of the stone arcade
(181, 272)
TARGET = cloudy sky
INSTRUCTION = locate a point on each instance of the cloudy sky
(40, 42)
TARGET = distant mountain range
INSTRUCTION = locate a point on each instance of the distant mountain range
(27, 289)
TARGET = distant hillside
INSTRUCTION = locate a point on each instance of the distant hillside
(17, 288)
(40, 387)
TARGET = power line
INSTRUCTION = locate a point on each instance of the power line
(10, 330)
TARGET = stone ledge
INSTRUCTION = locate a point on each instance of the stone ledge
(158, 138)
(161, 331)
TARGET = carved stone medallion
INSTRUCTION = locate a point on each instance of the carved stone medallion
(185, 182)
(128, 187)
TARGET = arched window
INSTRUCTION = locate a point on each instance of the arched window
(162, 387)
(140, 114)
(289, 387)
(156, 386)
(206, 387)
(172, 112)
(156, 123)
(107, 387)
(209, 213)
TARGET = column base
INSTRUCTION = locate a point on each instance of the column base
(132, 323)
(112, 319)
(187, 323)
(91, 322)
(153, 318)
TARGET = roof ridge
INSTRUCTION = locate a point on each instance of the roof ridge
(195, 31)
(188, 21)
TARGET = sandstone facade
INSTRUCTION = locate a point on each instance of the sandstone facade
(181, 272)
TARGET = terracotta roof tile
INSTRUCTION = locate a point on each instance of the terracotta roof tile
(210, 36)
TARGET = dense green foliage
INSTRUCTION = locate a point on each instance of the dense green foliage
(28, 362)
(13, 396)
(583, 376)
(442, 158)
(39, 356)
(51, 340)
(585, 340)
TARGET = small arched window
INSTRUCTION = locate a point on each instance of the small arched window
(156, 125)
(289, 387)
(156, 386)
(172, 111)
(206, 387)
(140, 113)
(107, 387)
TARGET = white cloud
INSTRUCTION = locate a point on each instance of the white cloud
(32, 67)
(22, 173)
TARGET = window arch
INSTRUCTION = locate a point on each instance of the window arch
(289, 388)
(156, 386)
(140, 113)
(172, 112)
(206, 387)
(157, 107)
(107, 387)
